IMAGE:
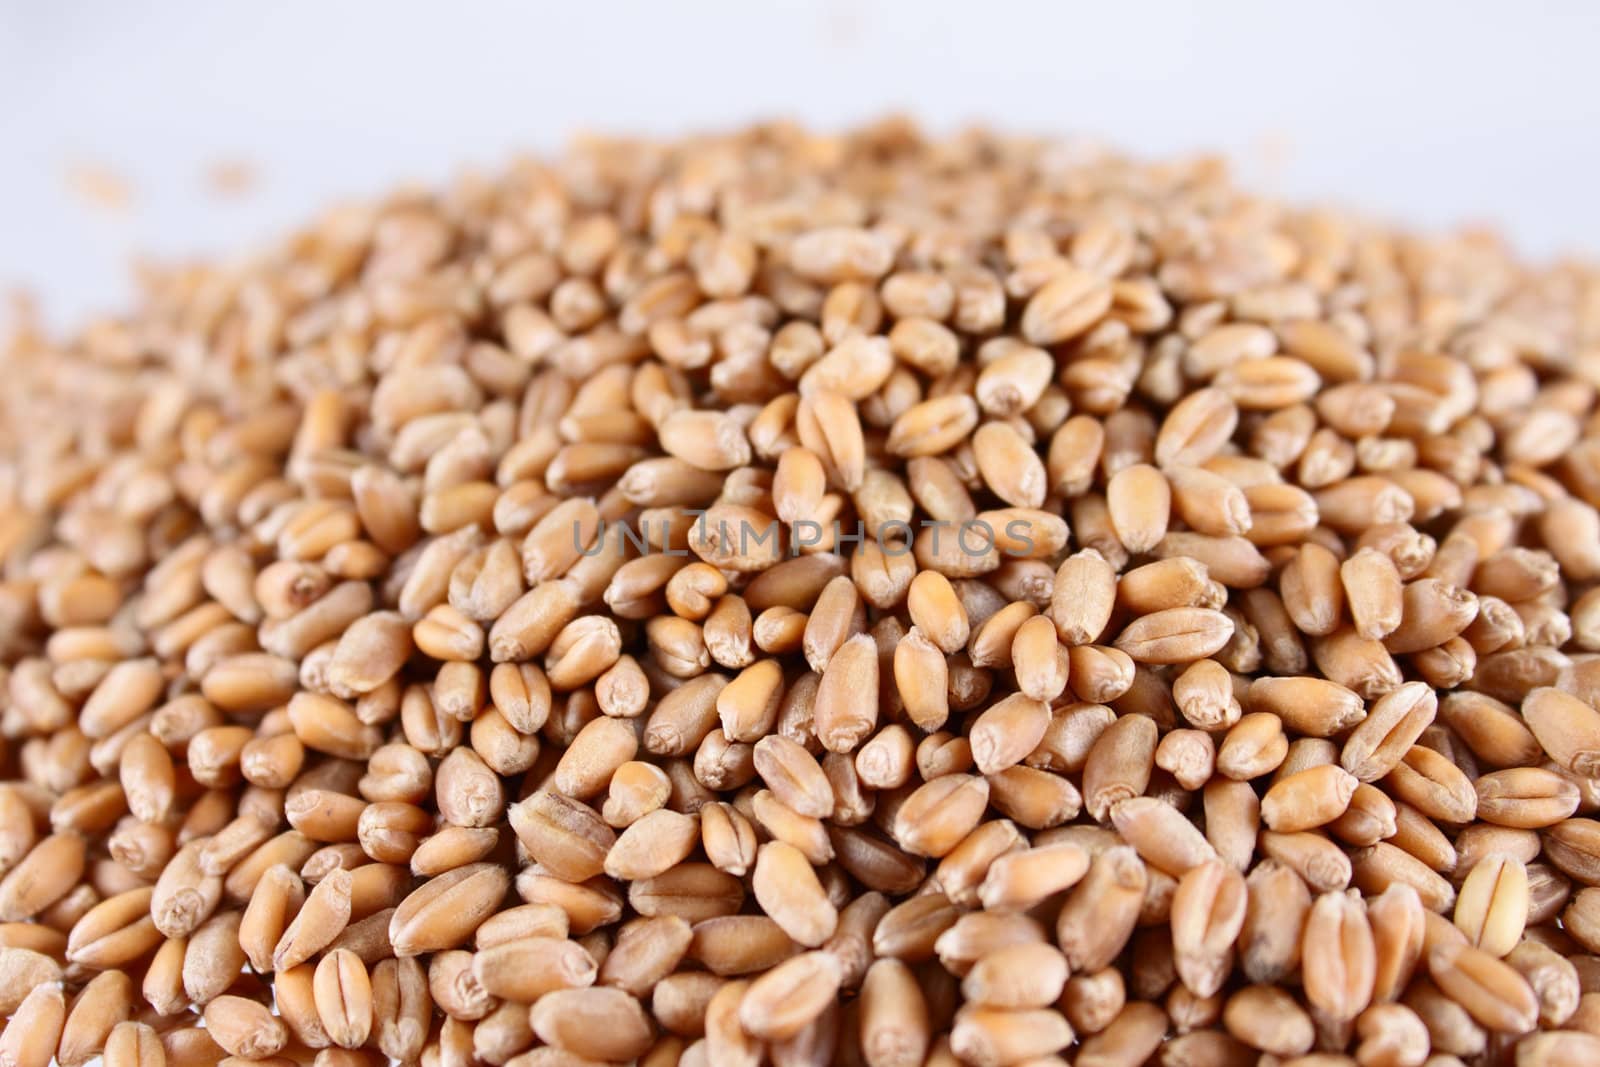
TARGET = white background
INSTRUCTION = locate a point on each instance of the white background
(1437, 114)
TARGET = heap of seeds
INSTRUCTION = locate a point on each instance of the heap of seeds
(1131, 622)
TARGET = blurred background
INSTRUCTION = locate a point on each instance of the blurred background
(184, 127)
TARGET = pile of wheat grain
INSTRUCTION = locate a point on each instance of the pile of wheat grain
(862, 600)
